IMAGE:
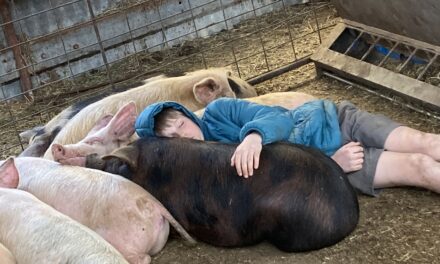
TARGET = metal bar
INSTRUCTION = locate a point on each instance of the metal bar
(197, 33)
(79, 25)
(65, 51)
(427, 66)
(131, 38)
(29, 62)
(37, 13)
(101, 47)
(12, 39)
(260, 37)
(316, 21)
(217, 46)
(354, 41)
(370, 48)
(12, 118)
(290, 33)
(380, 95)
(269, 75)
(229, 36)
(400, 68)
(64, 30)
(388, 54)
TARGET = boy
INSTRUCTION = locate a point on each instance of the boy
(377, 152)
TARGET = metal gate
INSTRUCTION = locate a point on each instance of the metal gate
(54, 52)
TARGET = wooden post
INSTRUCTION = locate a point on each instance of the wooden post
(12, 41)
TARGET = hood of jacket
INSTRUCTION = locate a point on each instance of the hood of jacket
(144, 125)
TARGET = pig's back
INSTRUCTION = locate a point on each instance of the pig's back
(43, 235)
(6, 256)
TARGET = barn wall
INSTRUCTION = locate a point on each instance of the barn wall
(56, 50)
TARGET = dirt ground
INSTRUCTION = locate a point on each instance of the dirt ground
(401, 225)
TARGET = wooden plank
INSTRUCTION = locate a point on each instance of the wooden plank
(371, 74)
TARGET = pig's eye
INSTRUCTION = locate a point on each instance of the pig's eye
(93, 141)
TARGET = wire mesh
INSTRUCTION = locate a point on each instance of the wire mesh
(100, 47)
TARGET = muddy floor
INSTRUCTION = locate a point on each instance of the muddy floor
(401, 225)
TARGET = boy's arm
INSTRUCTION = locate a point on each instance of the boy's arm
(246, 156)
(259, 125)
(272, 123)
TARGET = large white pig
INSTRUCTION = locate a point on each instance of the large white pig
(36, 233)
(194, 90)
(123, 213)
(289, 100)
(108, 135)
(6, 256)
(40, 137)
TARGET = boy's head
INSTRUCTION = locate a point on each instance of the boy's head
(173, 123)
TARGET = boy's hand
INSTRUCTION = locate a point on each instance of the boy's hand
(350, 157)
(246, 157)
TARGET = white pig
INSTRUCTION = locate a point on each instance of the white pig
(194, 90)
(36, 233)
(122, 212)
(6, 256)
(108, 135)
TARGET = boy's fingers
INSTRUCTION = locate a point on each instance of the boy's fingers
(256, 159)
(250, 165)
(233, 160)
(244, 166)
(238, 164)
(352, 144)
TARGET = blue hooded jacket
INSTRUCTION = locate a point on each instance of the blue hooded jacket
(228, 120)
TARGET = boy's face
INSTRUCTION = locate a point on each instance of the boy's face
(183, 127)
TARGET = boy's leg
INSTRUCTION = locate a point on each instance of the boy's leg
(409, 140)
(407, 169)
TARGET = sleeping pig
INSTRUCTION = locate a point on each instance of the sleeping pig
(36, 233)
(299, 199)
(123, 213)
(194, 90)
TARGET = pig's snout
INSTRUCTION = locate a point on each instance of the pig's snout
(58, 151)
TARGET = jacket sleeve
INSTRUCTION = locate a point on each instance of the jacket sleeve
(272, 123)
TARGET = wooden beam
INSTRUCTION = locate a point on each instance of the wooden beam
(12, 41)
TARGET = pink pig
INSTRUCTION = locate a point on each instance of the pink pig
(36, 233)
(120, 211)
(6, 255)
(108, 134)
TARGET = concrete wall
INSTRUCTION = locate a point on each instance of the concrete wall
(417, 19)
(154, 25)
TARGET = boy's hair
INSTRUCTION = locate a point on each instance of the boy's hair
(162, 120)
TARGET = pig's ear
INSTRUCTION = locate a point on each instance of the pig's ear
(122, 124)
(28, 134)
(128, 154)
(9, 174)
(103, 122)
(206, 91)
